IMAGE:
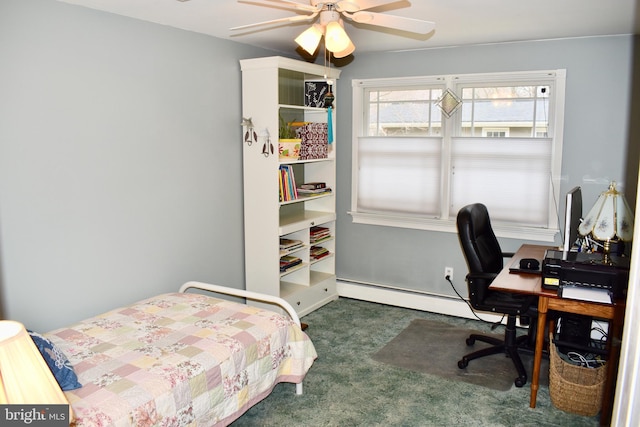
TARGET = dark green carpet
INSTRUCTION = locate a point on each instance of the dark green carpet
(347, 387)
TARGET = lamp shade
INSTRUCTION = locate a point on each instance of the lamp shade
(25, 377)
(335, 38)
(346, 52)
(610, 217)
(309, 39)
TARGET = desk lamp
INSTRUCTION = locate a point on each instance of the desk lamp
(25, 378)
(609, 218)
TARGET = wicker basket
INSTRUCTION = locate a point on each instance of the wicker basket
(574, 388)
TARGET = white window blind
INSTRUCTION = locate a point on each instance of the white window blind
(510, 176)
(400, 174)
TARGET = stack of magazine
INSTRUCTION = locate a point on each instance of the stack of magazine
(313, 189)
(318, 234)
(289, 261)
(318, 252)
(289, 245)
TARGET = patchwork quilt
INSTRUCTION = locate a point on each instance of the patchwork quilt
(180, 359)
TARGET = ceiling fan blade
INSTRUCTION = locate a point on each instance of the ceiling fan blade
(390, 21)
(357, 5)
(289, 19)
(293, 5)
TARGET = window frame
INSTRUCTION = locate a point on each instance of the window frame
(556, 79)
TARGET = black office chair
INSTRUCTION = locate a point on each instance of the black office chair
(485, 260)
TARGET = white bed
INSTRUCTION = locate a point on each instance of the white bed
(182, 359)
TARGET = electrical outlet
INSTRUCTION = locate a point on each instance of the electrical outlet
(448, 271)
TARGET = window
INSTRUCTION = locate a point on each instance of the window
(415, 167)
(495, 133)
(408, 112)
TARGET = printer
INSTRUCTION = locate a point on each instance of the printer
(579, 269)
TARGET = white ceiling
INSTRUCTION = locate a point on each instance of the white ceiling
(458, 22)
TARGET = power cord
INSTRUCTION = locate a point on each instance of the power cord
(494, 325)
(585, 361)
(603, 334)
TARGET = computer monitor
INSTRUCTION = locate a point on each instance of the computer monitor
(572, 218)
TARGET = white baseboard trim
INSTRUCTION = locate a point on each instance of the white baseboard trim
(406, 298)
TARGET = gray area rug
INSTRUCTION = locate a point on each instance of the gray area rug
(434, 347)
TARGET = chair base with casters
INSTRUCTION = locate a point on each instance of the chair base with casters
(509, 346)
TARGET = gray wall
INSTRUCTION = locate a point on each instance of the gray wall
(594, 152)
(120, 157)
(120, 161)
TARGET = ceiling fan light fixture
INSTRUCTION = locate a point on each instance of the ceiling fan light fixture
(330, 24)
(309, 39)
(348, 51)
(335, 38)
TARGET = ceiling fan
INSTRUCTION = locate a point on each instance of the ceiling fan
(331, 24)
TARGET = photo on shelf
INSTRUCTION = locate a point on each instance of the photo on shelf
(314, 93)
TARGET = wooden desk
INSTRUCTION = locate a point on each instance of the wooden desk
(531, 284)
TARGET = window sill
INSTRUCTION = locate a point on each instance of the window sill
(449, 226)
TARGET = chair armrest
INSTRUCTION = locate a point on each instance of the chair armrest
(482, 276)
(508, 254)
(478, 284)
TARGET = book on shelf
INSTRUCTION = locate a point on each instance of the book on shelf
(318, 233)
(290, 244)
(313, 185)
(314, 192)
(287, 183)
(318, 252)
(289, 261)
(317, 230)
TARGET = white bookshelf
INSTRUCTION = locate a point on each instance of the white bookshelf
(273, 87)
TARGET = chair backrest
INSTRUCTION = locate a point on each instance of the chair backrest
(479, 243)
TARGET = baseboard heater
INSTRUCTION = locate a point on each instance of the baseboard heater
(408, 298)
